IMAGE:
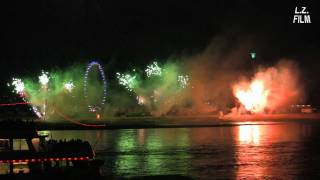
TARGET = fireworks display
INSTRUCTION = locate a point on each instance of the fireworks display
(127, 80)
(254, 98)
(161, 88)
(153, 70)
(183, 81)
(18, 86)
(157, 90)
(270, 90)
(44, 78)
(69, 86)
(141, 100)
(47, 95)
(157, 94)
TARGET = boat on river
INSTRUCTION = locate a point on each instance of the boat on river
(26, 152)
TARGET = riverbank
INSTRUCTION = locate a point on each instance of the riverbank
(173, 121)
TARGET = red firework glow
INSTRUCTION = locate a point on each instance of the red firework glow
(254, 98)
(270, 90)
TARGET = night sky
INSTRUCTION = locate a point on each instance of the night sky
(57, 33)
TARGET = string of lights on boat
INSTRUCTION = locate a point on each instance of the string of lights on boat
(81, 158)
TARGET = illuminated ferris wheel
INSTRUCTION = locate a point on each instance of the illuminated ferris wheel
(98, 106)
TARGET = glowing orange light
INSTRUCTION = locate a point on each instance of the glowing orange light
(249, 134)
(254, 98)
(98, 116)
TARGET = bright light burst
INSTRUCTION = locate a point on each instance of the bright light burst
(127, 80)
(153, 70)
(69, 86)
(18, 86)
(183, 81)
(44, 78)
(141, 100)
(37, 112)
(254, 98)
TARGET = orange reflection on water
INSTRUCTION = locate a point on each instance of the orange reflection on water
(249, 134)
(261, 146)
(249, 158)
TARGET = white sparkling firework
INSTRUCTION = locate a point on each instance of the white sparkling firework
(126, 80)
(153, 70)
(44, 78)
(37, 112)
(69, 86)
(183, 81)
(18, 86)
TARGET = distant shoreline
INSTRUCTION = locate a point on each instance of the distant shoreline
(177, 121)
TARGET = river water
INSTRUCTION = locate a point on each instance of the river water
(288, 150)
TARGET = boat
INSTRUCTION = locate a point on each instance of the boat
(26, 152)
